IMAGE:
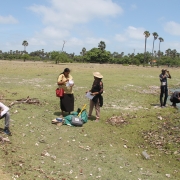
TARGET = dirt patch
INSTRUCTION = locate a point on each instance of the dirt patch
(117, 121)
(150, 90)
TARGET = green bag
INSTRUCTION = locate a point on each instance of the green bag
(83, 116)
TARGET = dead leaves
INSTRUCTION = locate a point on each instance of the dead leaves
(116, 120)
(166, 138)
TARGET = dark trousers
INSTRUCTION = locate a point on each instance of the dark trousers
(164, 92)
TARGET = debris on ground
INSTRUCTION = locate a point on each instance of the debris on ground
(27, 100)
(151, 90)
(165, 138)
(4, 139)
(116, 120)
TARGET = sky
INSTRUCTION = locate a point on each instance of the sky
(48, 24)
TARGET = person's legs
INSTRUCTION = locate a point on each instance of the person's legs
(97, 108)
(61, 107)
(7, 122)
(174, 101)
(161, 96)
(91, 106)
(166, 96)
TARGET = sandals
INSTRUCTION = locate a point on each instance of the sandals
(97, 119)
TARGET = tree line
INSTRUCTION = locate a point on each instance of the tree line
(99, 54)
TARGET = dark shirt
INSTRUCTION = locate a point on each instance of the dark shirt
(163, 80)
(175, 95)
(97, 87)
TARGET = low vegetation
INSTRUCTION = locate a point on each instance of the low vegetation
(131, 122)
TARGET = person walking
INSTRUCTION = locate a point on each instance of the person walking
(4, 113)
(164, 86)
(96, 91)
(65, 81)
(175, 98)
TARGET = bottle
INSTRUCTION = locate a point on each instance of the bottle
(146, 155)
(59, 119)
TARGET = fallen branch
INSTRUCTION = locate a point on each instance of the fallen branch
(27, 100)
(4, 139)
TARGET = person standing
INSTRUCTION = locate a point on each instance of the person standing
(67, 101)
(164, 86)
(96, 91)
(175, 98)
(4, 113)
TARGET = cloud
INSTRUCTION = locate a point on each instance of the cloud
(69, 13)
(130, 33)
(172, 28)
(172, 45)
(135, 33)
(60, 19)
(36, 42)
(75, 42)
(95, 41)
(120, 38)
(52, 32)
(8, 20)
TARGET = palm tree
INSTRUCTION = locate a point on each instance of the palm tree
(174, 53)
(122, 54)
(102, 45)
(25, 43)
(83, 52)
(168, 52)
(160, 40)
(155, 34)
(147, 34)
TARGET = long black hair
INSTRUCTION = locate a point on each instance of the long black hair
(65, 70)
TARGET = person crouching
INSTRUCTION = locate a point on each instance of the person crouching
(4, 113)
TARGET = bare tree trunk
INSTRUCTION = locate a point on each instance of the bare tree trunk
(144, 53)
(63, 45)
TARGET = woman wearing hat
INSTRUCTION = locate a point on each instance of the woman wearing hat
(67, 101)
(96, 91)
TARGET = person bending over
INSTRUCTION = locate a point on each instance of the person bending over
(4, 113)
(175, 98)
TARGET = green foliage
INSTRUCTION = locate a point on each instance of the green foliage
(96, 55)
(25, 57)
(60, 57)
(100, 55)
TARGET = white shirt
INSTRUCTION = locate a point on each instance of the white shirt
(4, 109)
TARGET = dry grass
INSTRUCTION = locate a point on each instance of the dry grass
(40, 150)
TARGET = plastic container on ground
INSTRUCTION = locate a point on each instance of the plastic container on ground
(145, 155)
